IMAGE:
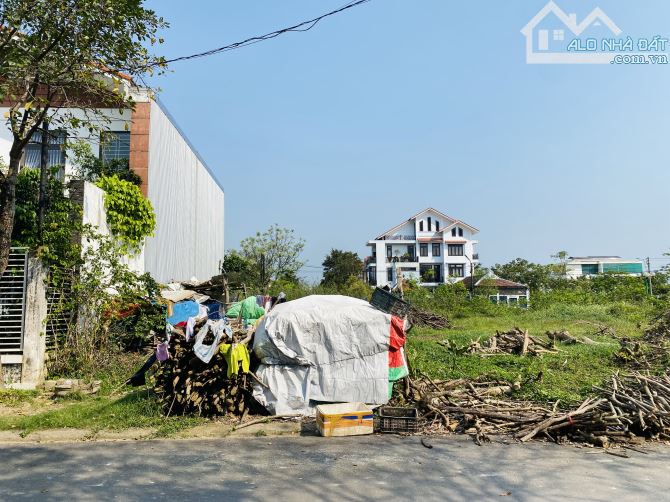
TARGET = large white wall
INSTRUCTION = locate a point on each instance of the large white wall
(188, 202)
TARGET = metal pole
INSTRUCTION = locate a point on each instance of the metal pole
(651, 291)
(44, 179)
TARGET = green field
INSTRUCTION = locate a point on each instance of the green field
(568, 375)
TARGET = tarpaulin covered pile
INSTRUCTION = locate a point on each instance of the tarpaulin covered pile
(326, 349)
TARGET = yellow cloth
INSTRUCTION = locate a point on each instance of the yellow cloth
(234, 356)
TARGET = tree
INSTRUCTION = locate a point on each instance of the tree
(272, 254)
(237, 269)
(60, 55)
(339, 266)
(534, 275)
(561, 258)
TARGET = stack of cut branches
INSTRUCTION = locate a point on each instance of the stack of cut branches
(515, 341)
(424, 319)
(629, 408)
(652, 350)
(187, 386)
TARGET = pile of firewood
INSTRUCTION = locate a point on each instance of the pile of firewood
(629, 409)
(652, 350)
(424, 319)
(515, 341)
(187, 386)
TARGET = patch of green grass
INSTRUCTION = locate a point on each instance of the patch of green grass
(568, 375)
(13, 398)
(136, 409)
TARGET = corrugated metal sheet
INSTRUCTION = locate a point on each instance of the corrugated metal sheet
(188, 202)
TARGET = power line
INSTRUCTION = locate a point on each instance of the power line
(304, 26)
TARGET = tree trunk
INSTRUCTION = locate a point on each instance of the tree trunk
(44, 176)
(8, 205)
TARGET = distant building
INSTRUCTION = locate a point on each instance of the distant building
(500, 290)
(579, 266)
(430, 247)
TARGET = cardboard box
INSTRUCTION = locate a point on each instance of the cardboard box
(344, 419)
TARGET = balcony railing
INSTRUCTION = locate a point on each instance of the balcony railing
(399, 237)
(402, 259)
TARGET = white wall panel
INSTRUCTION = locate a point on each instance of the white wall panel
(188, 202)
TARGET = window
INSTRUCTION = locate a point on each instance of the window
(389, 274)
(429, 224)
(437, 226)
(389, 251)
(55, 150)
(456, 270)
(423, 249)
(436, 249)
(559, 35)
(589, 268)
(455, 249)
(493, 298)
(114, 146)
(372, 275)
(453, 232)
(513, 300)
(430, 273)
(502, 299)
(421, 226)
(623, 268)
(411, 251)
(460, 232)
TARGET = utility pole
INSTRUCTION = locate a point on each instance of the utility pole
(472, 276)
(651, 291)
(263, 273)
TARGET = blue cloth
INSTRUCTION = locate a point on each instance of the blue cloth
(213, 310)
(182, 311)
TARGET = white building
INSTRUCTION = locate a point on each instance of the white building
(430, 247)
(187, 198)
(578, 266)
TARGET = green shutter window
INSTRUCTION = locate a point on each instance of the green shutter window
(590, 269)
(623, 268)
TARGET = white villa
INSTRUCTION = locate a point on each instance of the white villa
(578, 266)
(430, 246)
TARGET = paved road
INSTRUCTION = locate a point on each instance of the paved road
(312, 468)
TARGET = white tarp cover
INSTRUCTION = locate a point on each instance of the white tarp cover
(322, 348)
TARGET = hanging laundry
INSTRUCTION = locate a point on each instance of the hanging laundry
(162, 351)
(206, 352)
(182, 311)
(397, 364)
(235, 355)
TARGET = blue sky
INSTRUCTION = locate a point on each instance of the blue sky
(348, 129)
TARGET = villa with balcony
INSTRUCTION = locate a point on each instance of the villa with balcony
(430, 247)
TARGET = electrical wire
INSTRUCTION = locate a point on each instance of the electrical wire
(304, 26)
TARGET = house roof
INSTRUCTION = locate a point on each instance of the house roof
(571, 20)
(441, 214)
(493, 280)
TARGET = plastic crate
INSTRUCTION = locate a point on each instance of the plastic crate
(344, 419)
(389, 303)
(395, 420)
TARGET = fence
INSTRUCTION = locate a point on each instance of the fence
(13, 302)
(59, 317)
